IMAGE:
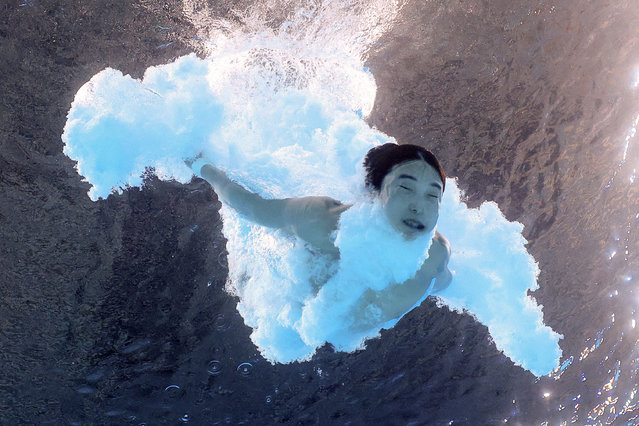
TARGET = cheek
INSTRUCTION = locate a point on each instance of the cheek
(432, 213)
(392, 207)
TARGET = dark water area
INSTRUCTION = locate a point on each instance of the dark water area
(114, 312)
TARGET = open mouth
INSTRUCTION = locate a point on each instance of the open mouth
(414, 224)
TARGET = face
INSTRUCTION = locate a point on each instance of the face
(410, 195)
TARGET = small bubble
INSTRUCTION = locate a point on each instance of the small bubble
(184, 418)
(85, 390)
(133, 347)
(245, 368)
(220, 322)
(94, 377)
(214, 367)
(269, 399)
(222, 260)
(173, 391)
(397, 377)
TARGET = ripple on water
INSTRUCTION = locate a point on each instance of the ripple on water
(222, 260)
(85, 390)
(94, 377)
(245, 368)
(221, 323)
(214, 367)
(136, 346)
(173, 391)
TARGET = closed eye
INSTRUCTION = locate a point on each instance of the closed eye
(405, 187)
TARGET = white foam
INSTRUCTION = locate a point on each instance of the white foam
(282, 113)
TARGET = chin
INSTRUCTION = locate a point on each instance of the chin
(411, 235)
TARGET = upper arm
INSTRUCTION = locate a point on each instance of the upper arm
(311, 217)
(297, 215)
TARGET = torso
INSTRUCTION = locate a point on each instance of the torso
(314, 220)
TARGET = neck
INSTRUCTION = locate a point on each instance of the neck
(367, 240)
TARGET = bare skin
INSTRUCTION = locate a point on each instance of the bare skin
(410, 196)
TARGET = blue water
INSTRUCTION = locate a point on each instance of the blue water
(531, 104)
(285, 117)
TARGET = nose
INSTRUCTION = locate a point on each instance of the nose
(415, 207)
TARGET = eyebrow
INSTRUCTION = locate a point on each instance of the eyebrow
(435, 184)
(407, 177)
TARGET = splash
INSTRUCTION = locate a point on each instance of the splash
(279, 102)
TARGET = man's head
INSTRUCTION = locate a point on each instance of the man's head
(380, 160)
(409, 182)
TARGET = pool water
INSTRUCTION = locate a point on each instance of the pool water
(532, 106)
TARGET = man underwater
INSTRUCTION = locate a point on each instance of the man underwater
(407, 181)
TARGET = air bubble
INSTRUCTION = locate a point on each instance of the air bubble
(94, 377)
(136, 346)
(222, 260)
(185, 418)
(214, 367)
(173, 391)
(220, 322)
(85, 390)
(245, 368)
(269, 399)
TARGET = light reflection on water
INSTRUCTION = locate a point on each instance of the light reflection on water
(607, 354)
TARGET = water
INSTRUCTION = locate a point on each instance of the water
(530, 105)
(282, 112)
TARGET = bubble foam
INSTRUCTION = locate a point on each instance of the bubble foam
(284, 114)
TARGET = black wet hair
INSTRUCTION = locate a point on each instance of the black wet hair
(379, 161)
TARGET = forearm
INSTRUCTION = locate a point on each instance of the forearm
(376, 307)
(229, 192)
(397, 299)
(248, 204)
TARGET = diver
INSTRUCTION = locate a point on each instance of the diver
(407, 180)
